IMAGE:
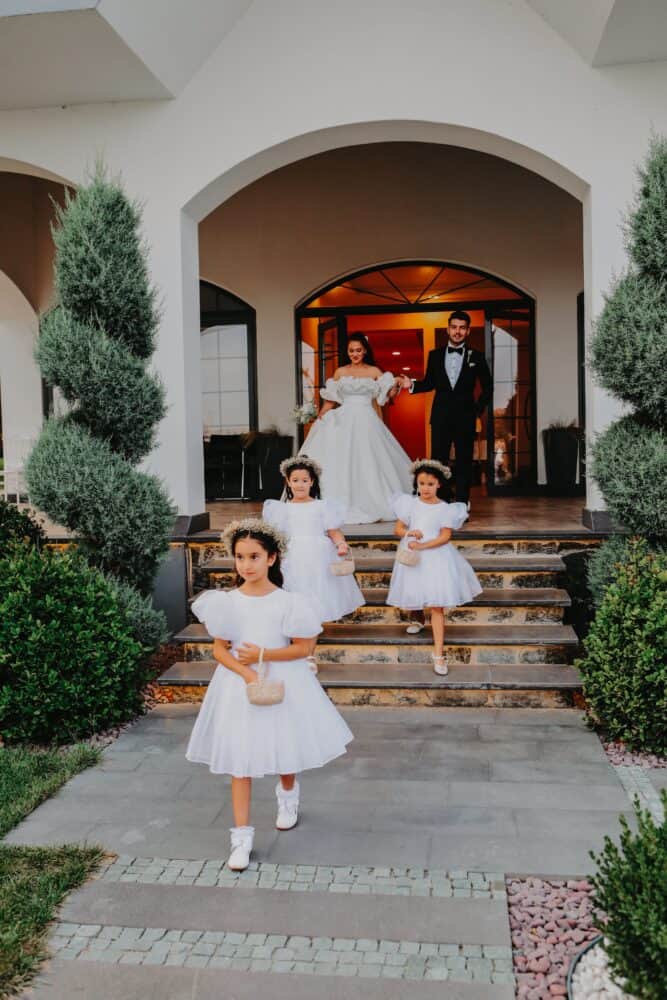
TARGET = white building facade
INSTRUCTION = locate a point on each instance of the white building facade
(280, 146)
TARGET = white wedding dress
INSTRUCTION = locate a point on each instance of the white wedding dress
(363, 465)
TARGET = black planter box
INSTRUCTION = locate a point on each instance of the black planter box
(561, 458)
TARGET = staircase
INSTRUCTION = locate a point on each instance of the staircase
(510, 647)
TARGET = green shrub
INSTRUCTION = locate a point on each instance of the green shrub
(630, 466)
(149, 626)
(95, 346)
(624, 669)
(604, 562)
(646, 228)
(629, 349)
(123, 516)
(69, 666)
(17, 526)
(630, 888)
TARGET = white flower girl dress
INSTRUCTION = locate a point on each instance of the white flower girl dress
(234, 737)
(307, 565)
(442, 578)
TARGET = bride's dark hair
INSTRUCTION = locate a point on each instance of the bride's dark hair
(359, 338)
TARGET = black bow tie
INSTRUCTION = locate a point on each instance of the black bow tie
(454, 350)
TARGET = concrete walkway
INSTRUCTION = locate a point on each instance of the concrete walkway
(431, 807)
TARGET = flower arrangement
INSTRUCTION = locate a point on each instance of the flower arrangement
(305, 413)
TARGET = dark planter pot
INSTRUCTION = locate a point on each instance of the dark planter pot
(561, 457)
(271, 450)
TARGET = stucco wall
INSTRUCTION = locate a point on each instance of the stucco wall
(302, 76)
(299, 227)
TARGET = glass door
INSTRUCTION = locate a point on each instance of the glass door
(320, 343)
(511, 432)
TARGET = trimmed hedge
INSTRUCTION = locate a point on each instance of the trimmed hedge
(630, 892)
(629, 462)
(624, 668)
(17, 526)
(69, 666)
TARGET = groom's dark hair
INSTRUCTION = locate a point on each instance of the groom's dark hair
(460, 314)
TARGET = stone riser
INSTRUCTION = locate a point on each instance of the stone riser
(407, 697)
(470, 615)
(407, 653)
(201, 553)
(369, 579)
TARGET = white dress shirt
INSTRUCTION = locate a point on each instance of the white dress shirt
(454, 363)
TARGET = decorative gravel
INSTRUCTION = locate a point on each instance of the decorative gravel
(619, 755)
(592, 978)
(551, 920)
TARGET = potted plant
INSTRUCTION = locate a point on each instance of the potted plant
(561, 455)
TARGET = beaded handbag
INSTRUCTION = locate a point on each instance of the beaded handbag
(408, 557)
(343, 567)
(263, 691)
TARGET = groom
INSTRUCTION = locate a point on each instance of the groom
(453, 372)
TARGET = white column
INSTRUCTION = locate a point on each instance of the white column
(604, 259)
(20, 381)
(174, 261)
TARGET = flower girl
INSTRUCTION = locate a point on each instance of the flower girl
(429, 571)
(253, 723)
(317, 546)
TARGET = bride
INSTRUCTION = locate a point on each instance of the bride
(363, 462)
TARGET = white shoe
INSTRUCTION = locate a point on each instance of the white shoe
(440, 664)
(288, 807)
(414, 628)
(241, 843)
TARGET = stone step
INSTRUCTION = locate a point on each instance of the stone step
(402, 684)
(357, 643)
(520, 606)
(494, 571)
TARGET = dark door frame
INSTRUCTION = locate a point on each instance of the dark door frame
(232, 311)
(493, 308)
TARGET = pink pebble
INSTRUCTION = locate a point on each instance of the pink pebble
(557, 990)
(539, 964)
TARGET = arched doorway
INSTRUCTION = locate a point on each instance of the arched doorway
(403, 308)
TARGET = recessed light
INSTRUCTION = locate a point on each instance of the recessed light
(406, 368)
(396, 353)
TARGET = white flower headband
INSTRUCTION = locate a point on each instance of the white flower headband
(252, 526)
(296, 461)
(430, 463)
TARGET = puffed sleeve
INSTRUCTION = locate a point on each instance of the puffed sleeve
(333, 514)
(384, 386)
(331, 391)
(300, 620)
(454, 515)
(275, 512)
(402, 505)
(213, 609)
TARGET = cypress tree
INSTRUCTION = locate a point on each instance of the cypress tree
(95, 346)
(629, 357)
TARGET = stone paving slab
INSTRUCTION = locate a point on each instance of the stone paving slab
(475, 921)
(448, 788)
(365, 958)
(65, 980)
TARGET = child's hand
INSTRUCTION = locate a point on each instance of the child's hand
(248, 653)
(415, 546)
(343, 549)
(415, 533)
(251, 677)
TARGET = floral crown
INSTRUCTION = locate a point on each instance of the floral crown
(300, 461)
(252, 526)
(430, 463)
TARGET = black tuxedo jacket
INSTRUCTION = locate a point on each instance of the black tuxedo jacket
(457, 404)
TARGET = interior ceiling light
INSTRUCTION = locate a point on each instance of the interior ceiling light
(396, 353)
(406, 368)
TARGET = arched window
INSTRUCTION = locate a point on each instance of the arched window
(228, 362)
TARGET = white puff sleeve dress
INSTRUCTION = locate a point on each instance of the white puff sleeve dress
(443, 578)
(307, 565)
(232, 736)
